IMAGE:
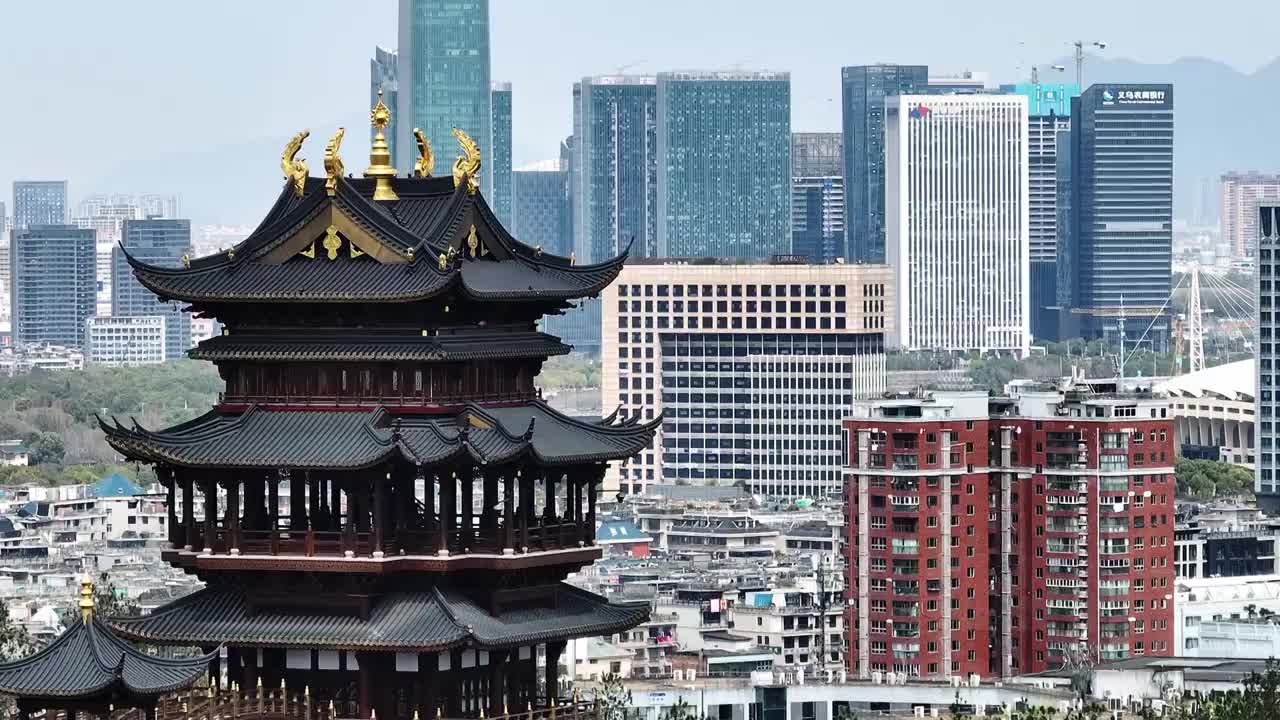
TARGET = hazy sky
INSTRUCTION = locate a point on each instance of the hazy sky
(93, 89)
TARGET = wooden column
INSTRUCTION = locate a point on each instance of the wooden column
(468, 480)
(171, 507)
(298, 501)
(273, 500)
(210, 511)
(589, 530)
(429, 677)
(497, 674)
(458, 680)
(554, 650)
(335, 505)
(364, 683)
(508, 512)
(448, 509)
(314, 502)
(233, 514)
(526, 508)
(188, 510)
(549, 486)
(404, 502)
(489, 500)
(379, 509)
(429, 503)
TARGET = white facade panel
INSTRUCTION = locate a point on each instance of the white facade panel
(957, 217)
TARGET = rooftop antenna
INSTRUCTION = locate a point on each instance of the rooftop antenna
(1120, 384)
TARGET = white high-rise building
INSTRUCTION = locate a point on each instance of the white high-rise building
(1267, 466)
(956, 221)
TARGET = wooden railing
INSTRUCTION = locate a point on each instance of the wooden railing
(260, 704)
(536, 537)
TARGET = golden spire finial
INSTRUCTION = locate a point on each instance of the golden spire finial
(426, 163)
(332, 163)
(86, 598)
(295, 168)
(380, 155)
(467, 167)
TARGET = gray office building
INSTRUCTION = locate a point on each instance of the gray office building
(817, 197)
(539, 214)
(1122, 201)
(498, 178)
(1267, 468)
(382, 77)
(54, 284)
(724, 164)
(863, 89)
(615, 171)
(39, 202)
(159, 242)
(443, 78)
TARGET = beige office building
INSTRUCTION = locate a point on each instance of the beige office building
(753, 365)
(1241, 193)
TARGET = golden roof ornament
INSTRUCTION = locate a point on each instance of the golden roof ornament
(467, 167)
(86, 598)
(426, 163)
(295, 168)
(333, 163)
(380, 167)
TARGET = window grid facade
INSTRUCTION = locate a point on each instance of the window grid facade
(665, 324)
(39, 202)
(957, 217)
(160, 242)
(125, 341)
(54, 284)
(1267, 481)
(724, 165)
(500, 187)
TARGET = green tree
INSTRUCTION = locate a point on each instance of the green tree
(1211, 478)
(45, 448)
(109, 601)
(681, 710)
(613, 699)
(15, 644)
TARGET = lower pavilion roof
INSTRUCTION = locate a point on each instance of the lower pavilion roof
(339, 438)
(422, 621)
(88, 662)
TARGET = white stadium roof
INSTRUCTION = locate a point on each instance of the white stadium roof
(1233, 381)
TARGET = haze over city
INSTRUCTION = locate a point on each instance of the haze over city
(185, 95)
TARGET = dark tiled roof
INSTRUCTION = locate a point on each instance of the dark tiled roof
(350, 346)
(424, 621)
(427, 219)
(263, 437)
(89, 661)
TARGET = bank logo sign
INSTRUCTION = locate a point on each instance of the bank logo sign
(1132, 96)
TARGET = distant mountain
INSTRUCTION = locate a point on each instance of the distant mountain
(1223, 119)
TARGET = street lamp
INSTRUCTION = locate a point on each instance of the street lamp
(1080, 45)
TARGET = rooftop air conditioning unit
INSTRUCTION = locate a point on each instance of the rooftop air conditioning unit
(955, 681)
(877, 677)
(677, 675)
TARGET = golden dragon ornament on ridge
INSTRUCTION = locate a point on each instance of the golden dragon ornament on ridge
(333, 163)
(426, 163)
(295, 168)
(467, 167)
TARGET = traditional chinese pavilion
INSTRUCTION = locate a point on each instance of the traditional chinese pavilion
(389, 509)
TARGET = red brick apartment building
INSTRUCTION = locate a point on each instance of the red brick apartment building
(993, 535)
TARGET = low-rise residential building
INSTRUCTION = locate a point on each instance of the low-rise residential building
(722, 535)
(622, 538)
(1213, 605)
(802, 624)
(594, 658)
(14, 452)
(23, 358)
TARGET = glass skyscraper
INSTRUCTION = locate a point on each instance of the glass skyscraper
(615, 156)
(382, 76)
(724, 164)
(54, 284)
(160, 242)
(499, 175)
(1049, 108)
(863, 90)
(539, 212)
(817, 196)
(39, 202)
(443, 74)
(1122, 140)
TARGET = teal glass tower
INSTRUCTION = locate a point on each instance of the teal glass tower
(499, 175)
(724, 164)
(617, 153)
(443, 79)
(161, 242)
